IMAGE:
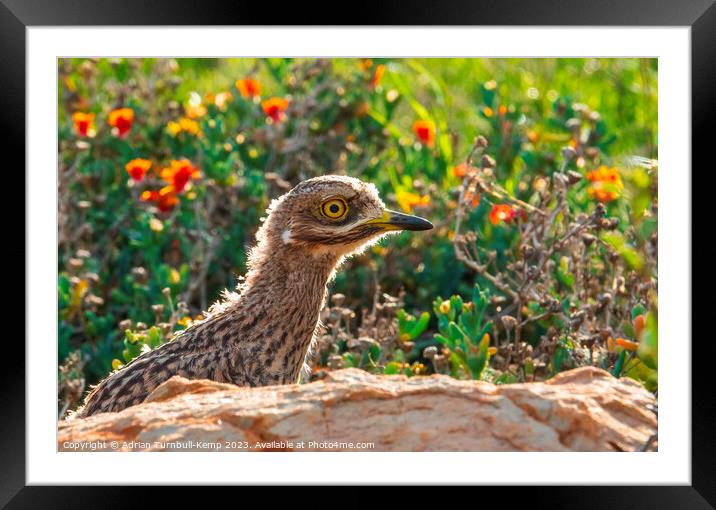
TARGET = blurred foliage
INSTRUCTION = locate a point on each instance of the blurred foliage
(167, 165)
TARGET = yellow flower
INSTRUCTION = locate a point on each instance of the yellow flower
(173, 128)
(408, 200)
(418, 368)
(78, 293)
(174, 276)
(445, 307)
(156, 225)
(184, 125)
(185, 321)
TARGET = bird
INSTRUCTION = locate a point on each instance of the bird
(262, 333)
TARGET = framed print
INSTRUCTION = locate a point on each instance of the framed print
(430, 252)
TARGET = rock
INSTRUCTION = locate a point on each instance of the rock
(585, 409)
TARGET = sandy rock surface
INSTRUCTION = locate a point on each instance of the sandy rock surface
(585, 409)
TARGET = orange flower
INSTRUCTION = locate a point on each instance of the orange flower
(83, 122)
(502, 110)
(425, 131)
(274, 108)
(377, 75)
(627, 344)
(501, 212)
(179, 173)
(606, 184)
(137, 168)
(194, 112)
(462, 169)
(194, 108)
(472, 199)
(121, 120)
(408, 200)
(165, 199)
(248, 87)
(362, 109)
(639, 324)
(364, 64)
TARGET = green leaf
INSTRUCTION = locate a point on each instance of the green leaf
(561, 354)
(375, 352)
(447, 341)
(637, 311)
(478, 361)
(392, 368)
(619, 365)
(420, 325)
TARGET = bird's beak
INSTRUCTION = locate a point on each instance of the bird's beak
(393, 220)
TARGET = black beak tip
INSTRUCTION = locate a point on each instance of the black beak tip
(421, 224)
(408, 221)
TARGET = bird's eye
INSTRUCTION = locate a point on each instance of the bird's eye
(335, 208)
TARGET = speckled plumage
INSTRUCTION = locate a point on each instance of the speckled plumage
(261, 334)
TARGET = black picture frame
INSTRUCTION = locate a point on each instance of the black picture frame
(700, 15)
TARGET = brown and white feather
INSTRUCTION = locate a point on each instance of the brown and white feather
(260, 334)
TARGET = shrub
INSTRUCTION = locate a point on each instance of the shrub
(166, 166)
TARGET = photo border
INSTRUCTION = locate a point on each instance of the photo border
(16, 15)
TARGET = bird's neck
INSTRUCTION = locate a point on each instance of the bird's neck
(279, 308)
(279, 288)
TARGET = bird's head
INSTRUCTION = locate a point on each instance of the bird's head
(332, 216)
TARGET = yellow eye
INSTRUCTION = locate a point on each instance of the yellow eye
(335, 208)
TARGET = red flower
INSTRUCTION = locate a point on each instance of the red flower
(121, 119)
(425, 131)
(248, 87)
(137, 168)
(501, 212)
(274, 108)
(165, 199)
(179, 173)
(83, 122)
